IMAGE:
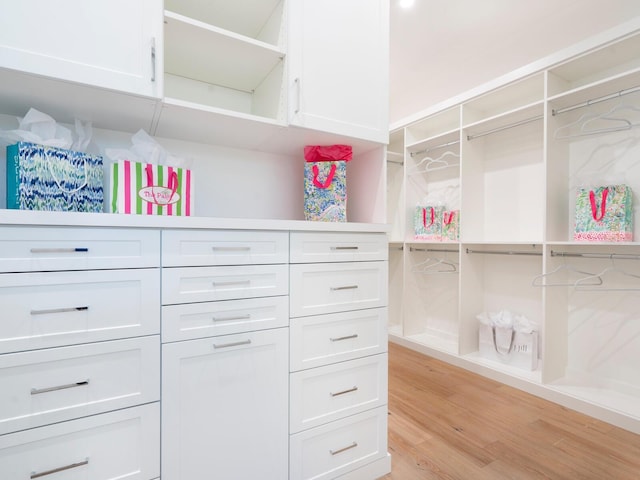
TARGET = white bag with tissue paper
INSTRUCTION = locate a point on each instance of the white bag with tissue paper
(508, 338)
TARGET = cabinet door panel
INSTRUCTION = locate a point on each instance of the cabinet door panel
(51, 309)
(52, 385)
(225, 406)
(106, 43)
(110, 446)
(339, 66)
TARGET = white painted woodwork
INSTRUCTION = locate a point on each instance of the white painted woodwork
(307, 247)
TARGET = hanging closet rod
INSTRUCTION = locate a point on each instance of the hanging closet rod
(612, 256)
(503, 252)
(443, 250)
(506, 127)
(427, 150)
(593, 101)
(400, 248)
(399, 162)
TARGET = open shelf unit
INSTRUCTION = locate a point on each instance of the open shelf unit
(516, 154)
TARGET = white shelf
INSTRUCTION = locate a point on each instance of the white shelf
(209, 54)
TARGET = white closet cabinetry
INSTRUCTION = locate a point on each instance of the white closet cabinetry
(225, 355)
(511, 158)
(338, 383)
(338, 58)
(112, 44)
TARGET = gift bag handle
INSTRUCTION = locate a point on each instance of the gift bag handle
(424, 216)
(55, 179)
(495, 343)
(447, 219)
(171, 185)
(603, 204)
(327, 182)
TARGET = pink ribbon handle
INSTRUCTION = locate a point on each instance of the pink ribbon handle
(447, 219)
(603, 204)
(171, 185)
(329, 179)
(424, 217)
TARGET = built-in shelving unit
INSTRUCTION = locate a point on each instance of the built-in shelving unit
(518, 149)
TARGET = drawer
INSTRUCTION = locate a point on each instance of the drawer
(46, 386)
(61, 308)
(197, 320)
(110, 446)
(324, 394)
(207, 284)
(37, 249)
(326, 452)
(321, 288)
(336, 337)
(190, 248)
(311, 247)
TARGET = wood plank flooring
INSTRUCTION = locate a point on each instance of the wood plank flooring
(448, 423)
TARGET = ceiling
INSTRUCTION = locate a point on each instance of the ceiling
(442, 48)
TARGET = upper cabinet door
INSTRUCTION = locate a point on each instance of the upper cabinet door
(104, 43)
(338, 67)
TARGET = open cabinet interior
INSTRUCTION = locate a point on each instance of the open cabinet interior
(528, 159)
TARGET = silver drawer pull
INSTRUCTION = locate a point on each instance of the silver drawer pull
(343, 449)
(348, 337)
(232, 344)
(37, 391)
(59, 310)
(60, 250)
(231, 249)
(337, 394)
(59, 469)
(344, 248)
(235, 282)
(347, 287)
(228, 319)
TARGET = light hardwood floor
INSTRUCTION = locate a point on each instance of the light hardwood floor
(448, 423)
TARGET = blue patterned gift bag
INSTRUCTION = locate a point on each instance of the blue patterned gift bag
(325, 182)
(40, 177)
(427, 222)
(604, 214)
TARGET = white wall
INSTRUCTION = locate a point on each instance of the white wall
(442, 48)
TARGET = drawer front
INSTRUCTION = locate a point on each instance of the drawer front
(110, 446)
(46, 386)
(190, 248)
(326, 452)
(320, 288)
(312, 247)
(42, 310)
(324, 339)
(38, 249)
(324, 394)
(198, 320)
(208, 284)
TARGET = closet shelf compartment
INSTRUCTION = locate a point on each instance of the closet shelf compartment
(259, 20)
(506, 120)
(441, 141)
(206, 53)
(433, 126)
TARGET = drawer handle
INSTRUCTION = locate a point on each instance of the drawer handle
(59, 469)
(232, 344)
(344, 248)
(346, 287)
(235, 282)
(343, 449)
(348, 337)
(227, 319)
(59, 310)
(354, 389)
(231, 249)
(60, 250)
(37, 391)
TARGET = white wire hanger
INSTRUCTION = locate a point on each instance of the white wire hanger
(438, 163)
(589, 119)
(435, 265)
(583, 285)
(589, 278)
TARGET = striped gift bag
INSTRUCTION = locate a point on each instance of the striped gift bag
(149, 189)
